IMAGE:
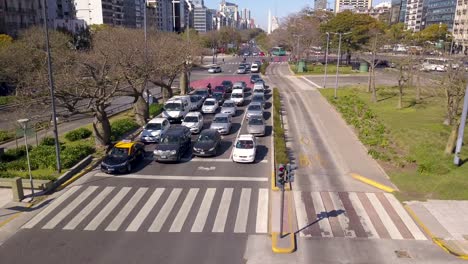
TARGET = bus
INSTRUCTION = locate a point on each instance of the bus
(278, 51)
(438, 64)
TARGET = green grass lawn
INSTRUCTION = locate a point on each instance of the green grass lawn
(320, 69)
(6, 99)
(418, 133)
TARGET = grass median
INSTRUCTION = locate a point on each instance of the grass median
(281, 152)
(409, 142)
(320, 69)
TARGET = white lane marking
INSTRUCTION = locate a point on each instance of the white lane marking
(223, 210)
(324, 224)
(363, 216)
(311, 82)
(262, 211)
(69, 208)
(200, 220)
(54, 204)
(238, 133)
(217, 160)
(184, 211)
(165, 211)
(386, 220)
(118, 220)
(88, 209)
(301, 213)
(243, 211)
(342, 218)
(412, 227)
(145, 210)
(93, 225)
(186, 178)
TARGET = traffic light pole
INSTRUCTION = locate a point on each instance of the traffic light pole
(282, 211)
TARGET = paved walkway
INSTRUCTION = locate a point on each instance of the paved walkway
(446, 222)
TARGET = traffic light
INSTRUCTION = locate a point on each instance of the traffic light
(290, 171)
(280, 174)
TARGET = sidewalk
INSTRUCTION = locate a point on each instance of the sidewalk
(445, 222)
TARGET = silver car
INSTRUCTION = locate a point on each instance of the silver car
(242, 85)
(229, 107)
(222, 123)
(258, 98)
(254, 109)
(256, 125)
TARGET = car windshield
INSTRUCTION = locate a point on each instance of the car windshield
(244, 144)
(236, 95)
(213, 68)
(241, 67)
(255, 76)
(170, 139)
(255, 121)
(191, 119)
(209, 102)
(221, 119)
(194, 99)
(119, 152)
(205, 138)
(218, 95)
(254, 107)
(228, 105)
(219, 88)
(172, 107)
(201, 92)
(153, 126)
(257, 98)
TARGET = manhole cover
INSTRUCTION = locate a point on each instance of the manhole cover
(402, 254)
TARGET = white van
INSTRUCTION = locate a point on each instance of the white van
(259, 86)
(255, 68)
(176, 108)
(237, 96)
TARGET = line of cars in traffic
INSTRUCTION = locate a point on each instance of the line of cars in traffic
(246, 67)
(185, 115)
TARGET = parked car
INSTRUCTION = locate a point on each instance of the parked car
(254, 109)
(241, 70)
(154, 129)
(245, 149)
(173, 144)
(258, 98)
(222, 123)
(203, 92)
(228, 85)
(254, 78)
(219, 96)
(196, 102)
(194, 121)
(215, 69)
(256, 125)
(229, 107)
(122, 157)
(210, 106)
(238, 96)
(208, 143)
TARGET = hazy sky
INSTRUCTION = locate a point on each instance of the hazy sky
(280, 8)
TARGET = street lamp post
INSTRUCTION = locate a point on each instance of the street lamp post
(326, 60)
(338, 61)
(52, 88)
(24, 126)
(145, 30)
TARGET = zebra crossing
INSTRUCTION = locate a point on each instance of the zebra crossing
(354, 215)
(271, 62)
(153, 210)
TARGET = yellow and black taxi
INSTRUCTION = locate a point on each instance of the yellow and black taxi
(123, 156)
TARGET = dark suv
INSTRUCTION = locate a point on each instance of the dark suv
(173, 144)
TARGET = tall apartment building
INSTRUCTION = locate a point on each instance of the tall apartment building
(163, 9)
(439, 11)
(341, 5)
(202, 17)
(110, 12)
(460, 25)
(397, 11)
(414, 15)
(229, 14)
(320, 4)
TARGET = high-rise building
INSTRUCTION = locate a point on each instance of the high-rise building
(320, 4)
(202, 17)
(460, 26)
(414, 16)
(163, 14)
(180, 14)
(398, 6)
(341, 5)
(439, 11)
(229, 14)
(110, 12)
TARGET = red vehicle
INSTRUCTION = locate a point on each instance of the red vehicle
(262, 53)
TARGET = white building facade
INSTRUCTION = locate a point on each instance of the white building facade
(414, 15)
(341, 5)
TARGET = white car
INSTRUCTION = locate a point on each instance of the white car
(259, 89)
(210, 106)
(244, 149)
(255, 68)
(215, 69)
(194, 121)
(238, 96)
(154, 129)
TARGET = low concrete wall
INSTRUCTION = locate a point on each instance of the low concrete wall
(38, 184)
(70, 173)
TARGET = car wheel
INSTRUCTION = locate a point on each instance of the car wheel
(129, 167)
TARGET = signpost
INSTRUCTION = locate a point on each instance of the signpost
(461, 130)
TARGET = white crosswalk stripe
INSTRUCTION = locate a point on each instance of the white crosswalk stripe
(371, 217)
(175, 210)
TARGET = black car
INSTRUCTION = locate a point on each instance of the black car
(122, 157)
(207, 144)
(173, 144)
(228, 85)
(254, 78)
(219, 96)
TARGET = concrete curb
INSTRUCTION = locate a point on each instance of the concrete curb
(69, 174)
(438, 241)
(94, 163)
(279, 250)
(372, 183)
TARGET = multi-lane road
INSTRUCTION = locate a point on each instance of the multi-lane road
(211, 210)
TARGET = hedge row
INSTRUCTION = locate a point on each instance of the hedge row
(121, 127)
(5, 135)
(77, 134)
(155, 110)
(264, 67)
(281, 152)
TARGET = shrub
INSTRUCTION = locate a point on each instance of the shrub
(155, 109)
(264, 67)
(5, 135)
(48, 141)
(77, 134)
(71, 155)
(281, 151)
(44, 156)
(121, 127)
(14, 154)
(21, 165)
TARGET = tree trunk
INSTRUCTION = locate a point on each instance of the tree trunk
(452, 140)
(369, 82)
(418, 89)
(183, 82)
(400, 97)
(141, 110)
(102, 128)
(374, 90)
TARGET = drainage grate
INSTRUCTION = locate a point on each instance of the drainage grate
(402, 254)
